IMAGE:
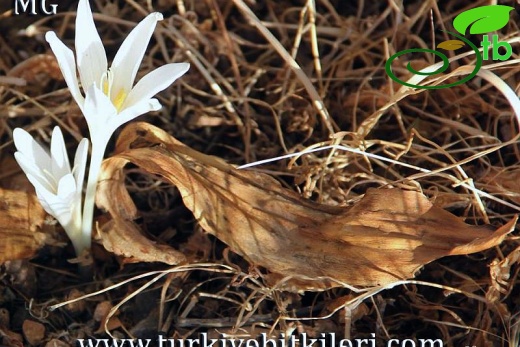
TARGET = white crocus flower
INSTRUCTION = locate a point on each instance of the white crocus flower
(111, 98)
(107, 96)
(58, 187)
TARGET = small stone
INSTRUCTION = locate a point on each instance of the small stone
(34, 332)
(76, 307)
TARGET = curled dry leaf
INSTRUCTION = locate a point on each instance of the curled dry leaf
(123, 237)
(21, 219)
(501, 280)
(387, 236)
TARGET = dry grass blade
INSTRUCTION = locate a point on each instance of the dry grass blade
(293, 65)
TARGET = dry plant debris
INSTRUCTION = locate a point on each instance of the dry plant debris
(270, 78)
(385, 237)
(22, 222)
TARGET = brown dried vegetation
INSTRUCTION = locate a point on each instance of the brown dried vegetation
(269, 78)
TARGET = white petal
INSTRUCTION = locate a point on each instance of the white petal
(61, 210)
(27, 165)
(67, 65)
(98, 109)
(67, 189)
(60, 160)
(64, 202)
(131, 53)
(48, 198)
(80, 162)
(92, 59)
(67, 192)
(43, 201)
(154, 82)
(136, 110)
(31, 149)
(34, 173)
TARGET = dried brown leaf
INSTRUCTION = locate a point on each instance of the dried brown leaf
(501, 279)
(123, 237)
(21, 219)
(387, 236)
(36, 65)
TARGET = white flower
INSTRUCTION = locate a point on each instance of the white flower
(111, 98)
(57, 186)
(106, 96)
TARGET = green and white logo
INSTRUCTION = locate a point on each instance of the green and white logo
(479, 20)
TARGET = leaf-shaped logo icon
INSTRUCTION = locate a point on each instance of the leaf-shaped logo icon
(451, 45)
(483, 19)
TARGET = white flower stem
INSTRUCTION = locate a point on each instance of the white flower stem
(73, 230)
(98, 151)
